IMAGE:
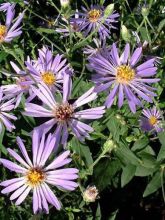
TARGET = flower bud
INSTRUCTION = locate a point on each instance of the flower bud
(108, 11)
(125, 33)
(64, 3)
(130, 138)
(109, 145)
(90, 194)
(144, 11)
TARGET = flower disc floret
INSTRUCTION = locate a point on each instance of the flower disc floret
(2, 32)
(125, 74)
(35, 176)
(63, 112)
(152, 120)
(48, 78)
(94, 15)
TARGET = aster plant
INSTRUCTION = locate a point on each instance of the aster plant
(151, 120)
(4, 6)
(95, 19)
(124, 76)
(11, 29)
(63, 114)
(21, 86)
(6, 106)
(36, 176)
(48, 69)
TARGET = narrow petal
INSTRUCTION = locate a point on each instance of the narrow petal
(23, 196)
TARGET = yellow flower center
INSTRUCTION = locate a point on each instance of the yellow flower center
(35, 176)
(63, 112)
(2, 32)
(48, 78)
(125, 74)
(94, 15)
(152, 120)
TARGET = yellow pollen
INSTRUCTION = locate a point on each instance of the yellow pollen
(152, 120)
(125, 74)
(48, 78)
(94, 15)
(63, 112)
(2, 32)
(35, 176)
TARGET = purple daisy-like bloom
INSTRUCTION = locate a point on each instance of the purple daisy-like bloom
(94, 18)
(100, 48)
(63, 114)
(37, 176)
(4, 6)
(152, 120)
(124, 76)
(67, 27)
(10, 30)
(5, 115)
(21, 86)
(49, 69)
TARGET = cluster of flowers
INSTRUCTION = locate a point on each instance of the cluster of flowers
(49, 80)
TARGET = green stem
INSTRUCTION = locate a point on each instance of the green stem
(149, 39)
(44, 19)
(52, 3)
(162, 182)
(85, 4)
(55, 45)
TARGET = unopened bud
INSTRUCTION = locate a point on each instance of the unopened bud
(64, 3)
(118, 116)
(109, 145)
(125, 33)
(108, 11)
(145, 11)
(90, 194)
(130, 138)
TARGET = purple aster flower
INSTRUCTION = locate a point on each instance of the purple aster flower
(5, 6)
(124, 76)
(37, 176)
(5, 115)
(10, 30)
(63, 114)
(49, 69)
(94, 18)
(100, 48)
(68, 27)
(21, 86)
(152, 120)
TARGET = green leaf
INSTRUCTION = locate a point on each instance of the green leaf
(82, 150)
(126, 155)
(161, 155)
(46, 30)
(102, 2)
(161, 137)
(104, 172)
(144, 34)
(114, 127)
(161, 25)
(113, 215)
(143, 171)
(153, 185)
(3, 56)
(140, 144)
(147, 160)
(127, 174)
(98, 213)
